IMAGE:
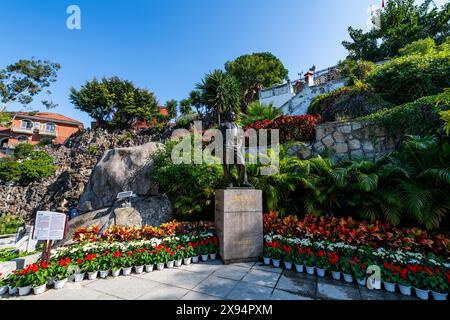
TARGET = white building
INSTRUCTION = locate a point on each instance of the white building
(295, 97)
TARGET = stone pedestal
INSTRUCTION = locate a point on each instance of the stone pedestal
(239, 224)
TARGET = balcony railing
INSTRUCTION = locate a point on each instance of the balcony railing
(47, 133)
(22, 130)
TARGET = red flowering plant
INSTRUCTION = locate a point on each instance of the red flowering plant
(24, 277)
(139, 256)
(322, 261)
(40, 277)
(346, 265)
(309, 257)
(420, 276)
(117, 260)
(91, 263)
(179, 252)
(203, 247)
(60, 269)
(149, 257)
(128, 259)
(288, 253)
(439, 281)
(333, 261)
(2, 281)
(105, 260)
(189, 250)
(390, 272)
(273, 250)
(359, 268)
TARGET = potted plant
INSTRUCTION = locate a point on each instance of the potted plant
(178, 256)
(310, 260)
(12, 283)
(91, 266)
(276, 254)
(267, 252)
(170, 258)
(403, 282)
(116, 263)
(204, 250)
(196, 256)
(213, 246)
(333, 260)
(346, 266)
(188, 254)
(61, 273)
(104, 264)
(439, 285)
(299, 259)
(149, 260)
(3, 286)
(322, 263)
(359, 271)
(80, 272)
(420, 280)
(127, 263)
(24, 279)
(140, 260)
(39, 282)
(160, 258)
(288, 257)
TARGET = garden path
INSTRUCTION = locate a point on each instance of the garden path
(214, 281)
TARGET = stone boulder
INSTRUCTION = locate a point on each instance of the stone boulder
(153, 210)
(121, 169)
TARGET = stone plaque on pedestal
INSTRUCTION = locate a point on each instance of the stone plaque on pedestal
(239, 224)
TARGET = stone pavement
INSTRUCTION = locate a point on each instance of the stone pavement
(215, 281)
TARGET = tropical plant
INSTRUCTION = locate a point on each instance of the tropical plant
(257, 111)
(221, 92)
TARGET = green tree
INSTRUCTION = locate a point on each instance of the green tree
(23, 150)
(22, 81)
(220, 92)
(115, 102)
(5, 119)
(196, 99)
(402, 22)
(171, 106)
(185, 106)
(256, 71)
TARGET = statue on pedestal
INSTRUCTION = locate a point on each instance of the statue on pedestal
(233, 151)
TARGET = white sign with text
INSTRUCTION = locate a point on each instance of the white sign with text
(49, 225)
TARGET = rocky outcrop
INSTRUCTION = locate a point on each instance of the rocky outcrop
(122, 169)
(74, 162)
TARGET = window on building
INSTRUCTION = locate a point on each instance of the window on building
(22, 139)
(50, 127)
(27, 124)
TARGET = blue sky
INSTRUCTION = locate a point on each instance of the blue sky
(167, 46)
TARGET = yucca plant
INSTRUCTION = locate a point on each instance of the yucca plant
(257, 111)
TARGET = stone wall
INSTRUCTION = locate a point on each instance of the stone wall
(357, 139)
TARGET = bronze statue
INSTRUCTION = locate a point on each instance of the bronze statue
(233, 142)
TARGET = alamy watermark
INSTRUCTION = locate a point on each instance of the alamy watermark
(73, 22)
(212, 147)
(374, 21)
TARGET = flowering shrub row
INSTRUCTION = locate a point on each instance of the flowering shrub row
(352, 232)
(424, 272)
(106, 257)
(292, 128)
(119, 233)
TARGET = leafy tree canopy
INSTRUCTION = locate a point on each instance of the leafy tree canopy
(21, 81)
(254, 71)
(402, 22)
(115, 102)
(171, 106)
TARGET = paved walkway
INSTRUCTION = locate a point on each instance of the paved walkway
(215, 281)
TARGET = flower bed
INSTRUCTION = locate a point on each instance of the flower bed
(407, 269)
(357, 233)
(107, 257)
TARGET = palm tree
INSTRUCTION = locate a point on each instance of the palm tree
(221, 92)
(185, 106)
(257, 111)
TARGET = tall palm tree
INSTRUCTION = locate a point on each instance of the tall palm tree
(221, 92)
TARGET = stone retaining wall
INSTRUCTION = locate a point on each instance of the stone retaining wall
(356, 139)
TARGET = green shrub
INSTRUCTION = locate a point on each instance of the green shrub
(127, 135)
(10, 223)
(186, 120)
(23, 150)
(347, 103)
(36, 166)
(418, 73)
(420, 117)
(5, 119)
(355, 70)
(191, 187)
(8, 254)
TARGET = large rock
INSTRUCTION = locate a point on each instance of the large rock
(153, 211)
(121, 169)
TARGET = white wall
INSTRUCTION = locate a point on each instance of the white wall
(277, 96)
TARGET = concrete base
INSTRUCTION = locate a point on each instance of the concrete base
(239, 224)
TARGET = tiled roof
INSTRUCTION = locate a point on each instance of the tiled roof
(163, 111)
(49, 116)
